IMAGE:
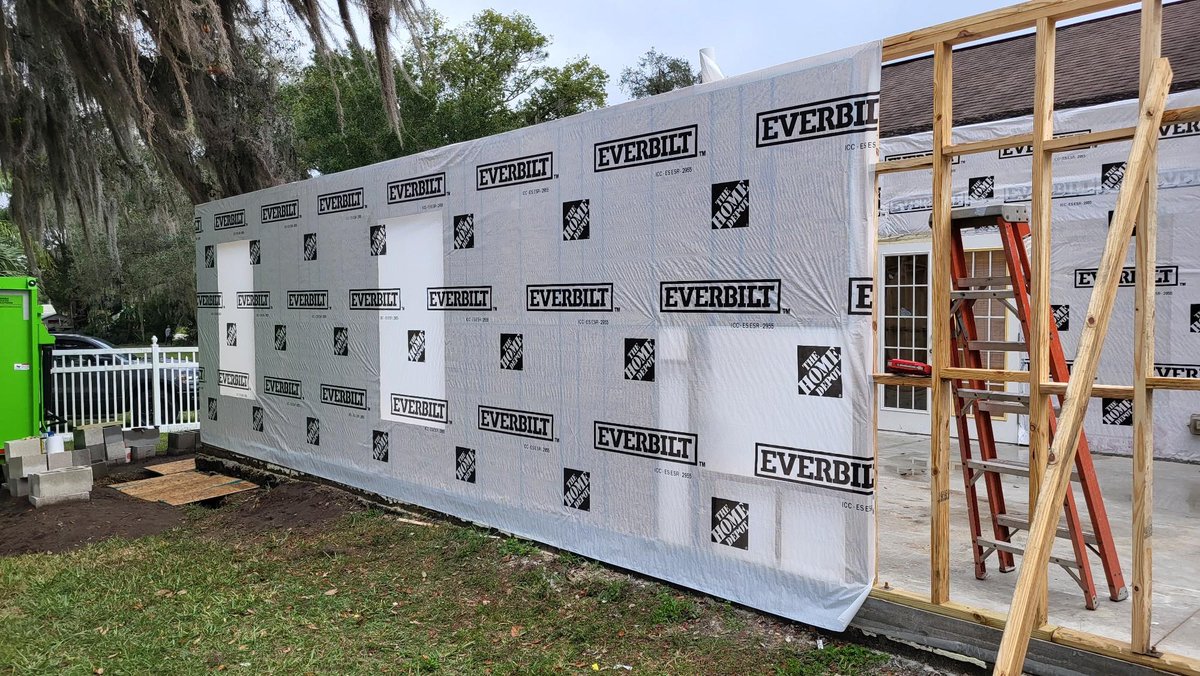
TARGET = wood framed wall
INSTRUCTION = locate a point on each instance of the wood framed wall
(1050, 460)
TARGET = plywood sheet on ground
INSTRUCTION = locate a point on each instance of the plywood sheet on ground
(181, 488)
(173, 467)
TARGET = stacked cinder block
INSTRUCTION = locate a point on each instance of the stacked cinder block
(114, 445)
(67, 484)
(22, 458)
(142, 442)
(180, 443)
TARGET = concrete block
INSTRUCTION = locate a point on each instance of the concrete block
(183, 441)
(97, 452)
(66, 481)
(89, 435)
(57, 499)
(143, 452)
(18, 488)
(81, 458)
(23, 447)
(116, 455)
(99, 470)
(22, 466)
(59, 460)
(113, 434)
(137, 434)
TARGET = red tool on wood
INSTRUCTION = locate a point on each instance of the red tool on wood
(908, 367)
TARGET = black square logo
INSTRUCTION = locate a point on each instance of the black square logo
(464, 231)
(464, 464)
(1194, 319)
(731, 523)
(981, 188)
(212, 408)
(730, 205)
(255, 252)
(310, 246)
(577, 489)
(378, 240)
(256, 418)
(1111, 175)
(639, 359)
(416, 346)
(281, 337)
(341, 341)
(819, 370)
(1062, 316)
(380, 446)
(577, 220)
(860, 295)
(512, 351)
(231, 334)
(210, 256)
(312, 431)
(1116, 412)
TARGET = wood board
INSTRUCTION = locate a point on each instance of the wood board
(181, 488)
(173, 467)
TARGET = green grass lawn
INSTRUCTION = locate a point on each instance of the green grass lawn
(369, 592)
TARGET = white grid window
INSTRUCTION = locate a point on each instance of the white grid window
(906, 323)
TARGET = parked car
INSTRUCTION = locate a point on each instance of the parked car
(115, 385)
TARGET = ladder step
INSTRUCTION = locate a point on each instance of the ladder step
(1020, 551)
(1021, 521)
(1009, 467)
(1002, 407)
(993, 395)
(998, 345)
(1002, 280)
(981, 294)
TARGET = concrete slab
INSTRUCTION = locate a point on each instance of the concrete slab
(24, 465)
(58, 499)
(902, 484)
(23, 447)
(59, 460)
(65, 481)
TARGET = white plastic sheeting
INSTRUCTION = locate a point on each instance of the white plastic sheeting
(641, 334)
(1086, 183)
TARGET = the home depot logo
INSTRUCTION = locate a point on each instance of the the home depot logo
(596, 297)
(516, 423)
(726, 295)
(343, 200)
(231, 334)
(282, 387)
(839, 472)
(464, 464)
(730, 205)
(375, 299)
(1194, 320)
(645, 442)
(234, 379)
(308, 300)
(381, 446)
(378, 240)
(229, 219)
(1111, 175)
(281, 337)
(577, 489)
(256, 418)
(209, 300)
(341, 341)
(819, 370)
(255, 252)
(312, 431)
(210, 256)
(310, 246)
(981, 188)
(1062, 317)
(346, 397)
(416, 346)
(656, 146)
(254, 300)
(860, 295)
(419, 188)
(639, 359)
(478, 298)
(512, 351)
(1116, 412)
(577, 220)
(819, 119)
(1164, 275)
(419, 408)
(280, 211)
(212, 408)
(731, 523)
(464, 231)
(516, 171)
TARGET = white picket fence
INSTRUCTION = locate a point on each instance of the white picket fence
(136, 386)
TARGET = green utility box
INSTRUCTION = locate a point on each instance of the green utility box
(22, 339)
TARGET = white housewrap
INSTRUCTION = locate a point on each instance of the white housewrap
(642, 334)
(1086, 183)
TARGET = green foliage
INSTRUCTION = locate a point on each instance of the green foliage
(841, 659)
(673, 609)
(657, 73)
(483, 78)
(12, 253)
(517, 547)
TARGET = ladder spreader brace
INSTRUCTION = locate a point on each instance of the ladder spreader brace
(974, 399)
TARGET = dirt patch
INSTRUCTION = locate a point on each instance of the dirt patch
(25, 529)
(291, 505)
